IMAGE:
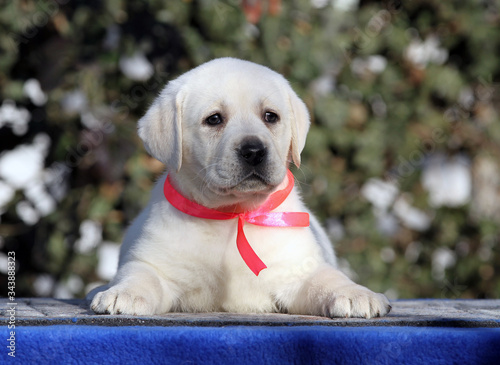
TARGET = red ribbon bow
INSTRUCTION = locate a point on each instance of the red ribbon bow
(262, 216)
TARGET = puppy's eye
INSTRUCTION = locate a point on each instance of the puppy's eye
(271, 117)
(214, 119)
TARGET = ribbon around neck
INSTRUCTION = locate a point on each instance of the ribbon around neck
(262, 216)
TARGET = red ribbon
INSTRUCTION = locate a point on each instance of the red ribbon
(262, 216)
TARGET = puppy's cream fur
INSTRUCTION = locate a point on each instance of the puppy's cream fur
(170, 261)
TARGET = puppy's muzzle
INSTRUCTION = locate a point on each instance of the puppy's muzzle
(252, 152)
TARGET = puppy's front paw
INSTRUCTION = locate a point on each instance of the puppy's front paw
(356, 301)
(122, 301)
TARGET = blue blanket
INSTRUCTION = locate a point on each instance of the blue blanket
(76, 344)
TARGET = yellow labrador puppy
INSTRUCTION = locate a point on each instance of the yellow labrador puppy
(227, 230)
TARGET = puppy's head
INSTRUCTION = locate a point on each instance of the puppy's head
(226, 131)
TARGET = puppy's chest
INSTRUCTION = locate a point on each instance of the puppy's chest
(202, 243)
(200, 235)
(205, 263)
(214, 243)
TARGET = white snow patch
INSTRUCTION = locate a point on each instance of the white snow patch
(448, 180)
(375, 64)
(388, 255)
(422, 53)
(90, 236)
(387, 223)
(380, 193)
(13, 117)
(75, 283)
(43, 285)
(74, 102)
(411, 217)
(24, 164)
(136, 67)
(33, 90)
(345, 5)
(43, 201)
(108, 254)
(442, 259)
(27, 213)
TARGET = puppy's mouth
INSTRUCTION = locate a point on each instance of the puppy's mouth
(251, 183)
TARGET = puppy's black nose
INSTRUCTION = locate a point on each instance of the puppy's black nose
(253, 152)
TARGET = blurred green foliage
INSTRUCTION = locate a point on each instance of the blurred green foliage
(390, 85)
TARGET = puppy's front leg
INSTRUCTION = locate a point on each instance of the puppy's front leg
(328, 292)
(136, 290)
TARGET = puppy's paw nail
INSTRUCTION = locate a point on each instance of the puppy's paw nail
(116, 301)
(358, 302)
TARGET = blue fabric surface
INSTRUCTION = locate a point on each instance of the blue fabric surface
(74, 344)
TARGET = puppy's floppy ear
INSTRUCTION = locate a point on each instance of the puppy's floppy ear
(161, 127)
(300, 125)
